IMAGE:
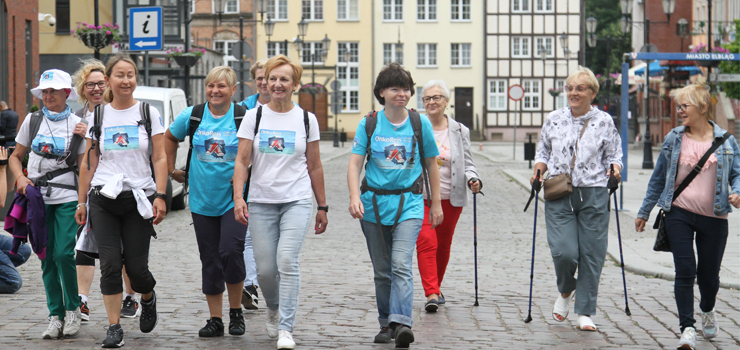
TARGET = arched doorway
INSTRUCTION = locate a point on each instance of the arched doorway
(314, 98)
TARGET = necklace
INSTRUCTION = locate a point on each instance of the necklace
(62, 157)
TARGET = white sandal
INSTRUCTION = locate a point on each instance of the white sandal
(561, 308)
(584, 322)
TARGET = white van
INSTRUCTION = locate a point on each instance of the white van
(169, 103)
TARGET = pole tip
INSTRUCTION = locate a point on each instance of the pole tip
(529, 318)
(627, 310)
(476, 303)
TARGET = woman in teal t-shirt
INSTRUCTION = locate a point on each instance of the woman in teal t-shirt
(220, 237)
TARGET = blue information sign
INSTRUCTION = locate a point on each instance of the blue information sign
(145, 28)
(688, 56)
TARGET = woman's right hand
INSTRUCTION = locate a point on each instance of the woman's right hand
(81, 215)
(21, 183)
(355, 208)
(240, 211)
(179, 176)
(640, 224)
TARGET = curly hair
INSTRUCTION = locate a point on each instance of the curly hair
(80, 77)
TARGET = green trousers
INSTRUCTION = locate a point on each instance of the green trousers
(59, 270)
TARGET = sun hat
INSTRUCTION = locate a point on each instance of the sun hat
(57, 80)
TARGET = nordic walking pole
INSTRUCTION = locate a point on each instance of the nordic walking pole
(613, 186)
(534, 194)
(475, 244)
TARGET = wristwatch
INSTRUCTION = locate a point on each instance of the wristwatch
(162, 195)
(324, 208)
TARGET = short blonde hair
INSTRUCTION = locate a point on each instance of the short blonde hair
(257, 65)
(279, 60)
(696, 94)
(80, 77)
(591, 81)
(221, 73)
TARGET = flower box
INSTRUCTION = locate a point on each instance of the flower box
(186, 60)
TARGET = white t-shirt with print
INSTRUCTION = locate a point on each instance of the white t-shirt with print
(279, 169)
(53, 137)
(124, 145)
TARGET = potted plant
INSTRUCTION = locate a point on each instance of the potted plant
(186, 59)
(555, 92)
(702, 48)
(97, 37)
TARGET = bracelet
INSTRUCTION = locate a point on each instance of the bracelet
(173, 172)
(81, 205)
(3, 162)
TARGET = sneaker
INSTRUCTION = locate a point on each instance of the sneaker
(432, 305)
(688, 339)
(72, 322)
(236, 322)
(404, 336)
(148, 319)
(114, 337)
(84, 311)
(130, 308)
(250, 297)
(214, 328)
(709, 324)
(55, 328)
(384, 336)
(286, 340)
(273, 320)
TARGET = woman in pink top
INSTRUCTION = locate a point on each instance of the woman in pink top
(701, 209)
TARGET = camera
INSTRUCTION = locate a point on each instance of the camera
(52, 21)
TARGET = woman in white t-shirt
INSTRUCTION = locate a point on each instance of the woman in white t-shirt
(116, 174)
(52, 176)
(286, 174)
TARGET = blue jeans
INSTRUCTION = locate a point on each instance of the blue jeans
(278, 231)
(392, 265)
(249, 264)
(10, 278)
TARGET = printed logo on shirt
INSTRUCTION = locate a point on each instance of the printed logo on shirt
(45, 144)
(277, 142)
(215, 145)
(391, 152)
(122, 138)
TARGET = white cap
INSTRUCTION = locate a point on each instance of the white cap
(57, 80)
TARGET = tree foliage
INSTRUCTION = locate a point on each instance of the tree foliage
(732, 89)
(608, 13)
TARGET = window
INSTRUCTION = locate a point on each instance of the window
(531, 94)
(225, 46)
(275, 48)
(426, 10)
(460, 10)
(62, 17)
(392, 53)
(543, 5)
(348, 73)
(426, 55)
(460, 55)
(560, 101)
(312, 52)
(497, 95)
(348, 10)
(230, 6)
(520, 6)
(545, 43)
(277, 10)
(419, 102)
(192, 7)
(312, 10)
(520, 46)
(393, 10)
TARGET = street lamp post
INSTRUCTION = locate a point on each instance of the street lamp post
(346, 55)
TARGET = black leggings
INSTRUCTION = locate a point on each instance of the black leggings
(117, 222)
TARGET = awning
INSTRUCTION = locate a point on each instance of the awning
(657, 70)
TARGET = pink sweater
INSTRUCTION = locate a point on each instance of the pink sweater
(698, 197)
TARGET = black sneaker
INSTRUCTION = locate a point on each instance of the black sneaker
(432, 305)
(236, 322)
(148, 319)
(114, 337)
(130, 308)
(84, 311)
(249, 297)
(214, 328)
(384, 336)
(404, 336)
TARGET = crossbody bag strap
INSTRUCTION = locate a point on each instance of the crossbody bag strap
(583, 131)
(697, 168)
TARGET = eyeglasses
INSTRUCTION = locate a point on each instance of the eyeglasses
(579, 88)
(684, 107)
(436, 98)
(100, 84)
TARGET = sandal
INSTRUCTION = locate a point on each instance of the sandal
(561, 308)
(586, 324)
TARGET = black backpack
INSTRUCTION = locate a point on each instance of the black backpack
(33, 129)
(96, 129)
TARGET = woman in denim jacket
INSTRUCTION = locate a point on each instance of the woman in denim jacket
(702, 208)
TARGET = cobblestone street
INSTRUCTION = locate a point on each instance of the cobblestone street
(337, 309)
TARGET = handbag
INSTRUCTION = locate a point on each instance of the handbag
(661, 239)
(561, 185)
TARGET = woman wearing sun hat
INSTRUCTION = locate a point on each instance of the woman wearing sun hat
(47, 162)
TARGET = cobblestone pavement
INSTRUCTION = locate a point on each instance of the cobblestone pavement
(337, 308)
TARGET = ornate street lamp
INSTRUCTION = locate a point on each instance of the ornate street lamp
(302, 28)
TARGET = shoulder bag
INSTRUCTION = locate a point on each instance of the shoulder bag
(561, 185)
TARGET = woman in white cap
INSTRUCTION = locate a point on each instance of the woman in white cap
(48, 134)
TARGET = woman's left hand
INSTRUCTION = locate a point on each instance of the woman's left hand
(159, 209)
(80, 129)
(474, 186)
(321, 222)
(617, 172)
(437, 215)
(735, 200)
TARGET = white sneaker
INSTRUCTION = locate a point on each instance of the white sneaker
(286, 340)
(709, 324)
(55, 329)
(273, 320)
(688, 339)
(72, 322)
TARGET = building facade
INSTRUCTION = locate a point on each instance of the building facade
(19, 62)
(518, 34)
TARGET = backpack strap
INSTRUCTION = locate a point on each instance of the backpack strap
(196, 116)
(95, 131)
(35, 124)
(239, 112)
(419, 139)
(371, 121)
(257, 122)
(305, 123)
(146, 121)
